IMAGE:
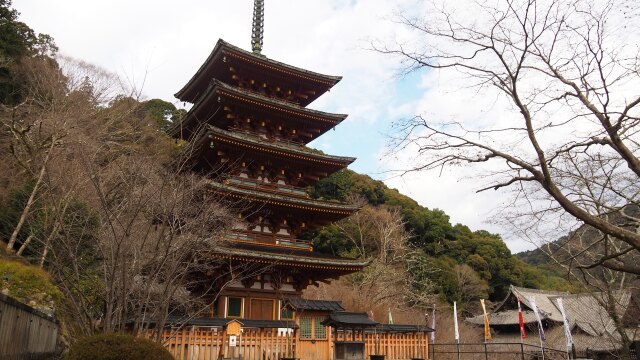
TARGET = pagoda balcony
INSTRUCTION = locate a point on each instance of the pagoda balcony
(269, 239)
(271, 187)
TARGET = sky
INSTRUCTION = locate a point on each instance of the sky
(158, 45)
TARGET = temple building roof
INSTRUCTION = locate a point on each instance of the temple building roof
(344, 319)
(506, 313)
(217, 92)
(299, 304)
(301, 153)
(173, 320)
(288, 257)
(284, 200)
(216, 66)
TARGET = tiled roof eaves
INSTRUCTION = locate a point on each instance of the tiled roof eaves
(276, 199)
(315, 305)
(220, 47)
(271, 103)
(281, 149)
(292, 260)
(282, 67)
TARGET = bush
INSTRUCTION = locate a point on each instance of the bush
(27, 283)
(117, 347)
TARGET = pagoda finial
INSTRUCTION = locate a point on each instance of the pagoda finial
(257, 30)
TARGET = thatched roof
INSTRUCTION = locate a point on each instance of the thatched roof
(506, 313)
(591, 325)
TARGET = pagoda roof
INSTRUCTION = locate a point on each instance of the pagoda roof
(217, 88)
(288, 257)
(301, 153)
(284, 200)
(189, 92)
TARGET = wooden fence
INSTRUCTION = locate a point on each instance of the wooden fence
(394, 346)
(209, 343)
(25, 333)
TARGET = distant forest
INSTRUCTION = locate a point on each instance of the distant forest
(436, 240)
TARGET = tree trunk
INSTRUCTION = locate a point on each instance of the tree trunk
(24, 245)
(30, 201)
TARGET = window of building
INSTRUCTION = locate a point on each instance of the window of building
(306, 329)
(234, 307)
(319, 330)
(286, 313)
(311, 327)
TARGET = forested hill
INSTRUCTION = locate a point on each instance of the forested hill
(443, 245)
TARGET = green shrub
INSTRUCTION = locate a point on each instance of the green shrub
(28, 283)
(117, 347)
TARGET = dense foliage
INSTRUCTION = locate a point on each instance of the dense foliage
(434, 240)
(17, 41)
(117, 347)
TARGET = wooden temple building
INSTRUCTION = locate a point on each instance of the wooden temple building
(249, 126)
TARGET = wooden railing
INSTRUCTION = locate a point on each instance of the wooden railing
(275, 239)
(271, 187)
(207, 343)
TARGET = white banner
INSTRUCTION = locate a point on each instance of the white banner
(433, 323)
(455, 322)
(532, 300)
(567, 329)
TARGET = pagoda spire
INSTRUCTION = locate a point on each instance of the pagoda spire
(257, 29)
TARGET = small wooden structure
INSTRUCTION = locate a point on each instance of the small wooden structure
(353, 349)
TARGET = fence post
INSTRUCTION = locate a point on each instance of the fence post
(522, 350)
(486, 356)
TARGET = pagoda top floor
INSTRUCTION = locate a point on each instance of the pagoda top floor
(238, 67)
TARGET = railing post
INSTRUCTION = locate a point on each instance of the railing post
(486, 355)
(522, 350)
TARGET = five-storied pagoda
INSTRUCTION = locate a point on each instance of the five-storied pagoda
(249, 126)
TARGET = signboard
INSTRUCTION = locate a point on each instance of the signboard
(234, 327)
(233, 340)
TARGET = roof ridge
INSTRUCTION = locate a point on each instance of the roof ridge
(283, 146)
(313, 202)
(276, 62)
(216, 82)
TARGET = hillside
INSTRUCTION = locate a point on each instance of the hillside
(585, 246)
(444, 246)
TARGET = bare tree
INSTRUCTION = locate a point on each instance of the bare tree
(567, 144)
(126, 232)
(569, 71)
(379, 235)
